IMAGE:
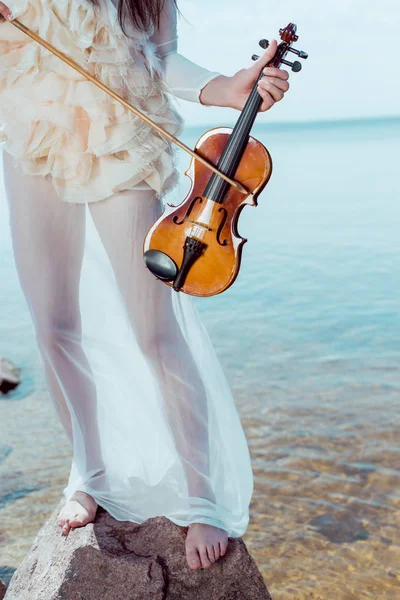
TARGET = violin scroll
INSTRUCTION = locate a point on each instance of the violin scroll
(288, 36)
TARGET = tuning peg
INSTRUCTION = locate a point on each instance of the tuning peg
(299, 53)
(264, 44)
(296, 66)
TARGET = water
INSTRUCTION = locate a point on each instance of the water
(308, 336)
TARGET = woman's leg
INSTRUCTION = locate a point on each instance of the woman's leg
(122, 222)
(48, 240)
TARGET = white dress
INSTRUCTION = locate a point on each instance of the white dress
(128, 363)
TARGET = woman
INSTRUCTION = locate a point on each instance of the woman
(128, 364)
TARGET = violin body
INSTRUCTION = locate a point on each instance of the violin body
(195, 247)
(218, 265)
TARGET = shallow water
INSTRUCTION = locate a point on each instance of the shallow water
(309, 339)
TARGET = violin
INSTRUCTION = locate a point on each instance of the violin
(195, 247)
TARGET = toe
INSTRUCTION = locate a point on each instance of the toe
(205, 561)
(223, 546)
(210, 553)
(216, 551)
(66, 528)
(192, 557)
(78, 521)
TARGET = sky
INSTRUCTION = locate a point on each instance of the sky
(352, 69)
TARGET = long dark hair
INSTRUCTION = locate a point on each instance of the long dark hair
(141, 13)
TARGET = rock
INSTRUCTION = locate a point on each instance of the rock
(121, 560)
(342, 527)
(9, 376)
(2, 589)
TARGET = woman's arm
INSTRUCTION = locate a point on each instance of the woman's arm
(192, 82)
(184, 78)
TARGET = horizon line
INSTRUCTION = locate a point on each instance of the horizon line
(346, 120)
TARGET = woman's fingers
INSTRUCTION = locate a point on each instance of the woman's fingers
(268, 87)
(272, 86)
(272, 90)
(275, 72)
(5, 12)
(268, 100)
(282, 84)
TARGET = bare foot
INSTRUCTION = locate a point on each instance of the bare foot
(77, 512)
(204, 545)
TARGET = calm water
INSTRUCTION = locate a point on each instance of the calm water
(309, 339)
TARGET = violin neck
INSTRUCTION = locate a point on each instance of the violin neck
(217, 187)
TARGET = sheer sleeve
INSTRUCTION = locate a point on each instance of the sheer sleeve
(184, 78)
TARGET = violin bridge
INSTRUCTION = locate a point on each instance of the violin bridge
(203, 225)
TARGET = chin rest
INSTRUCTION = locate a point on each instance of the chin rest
(160, 264)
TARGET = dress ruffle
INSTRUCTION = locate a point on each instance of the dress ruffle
(60, 125)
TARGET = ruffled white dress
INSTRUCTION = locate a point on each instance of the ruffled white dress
(129, 365)
(60, 124)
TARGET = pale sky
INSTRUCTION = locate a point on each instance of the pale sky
(352, 70)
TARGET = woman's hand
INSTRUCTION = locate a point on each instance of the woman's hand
(271, 87)
(5, 12)
(234, 91)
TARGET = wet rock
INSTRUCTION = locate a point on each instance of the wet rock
(111, 560)
(340, 528)
(9, 376)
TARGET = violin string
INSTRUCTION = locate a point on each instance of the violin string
(232, 154)
(241, 126)
(205, 216)
(245, 118)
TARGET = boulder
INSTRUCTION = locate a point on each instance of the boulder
(121, 560)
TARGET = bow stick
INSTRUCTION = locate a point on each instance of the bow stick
(129, 106)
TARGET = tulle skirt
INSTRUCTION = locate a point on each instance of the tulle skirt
(129, 365)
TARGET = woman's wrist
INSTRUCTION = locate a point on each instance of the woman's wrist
(216, 92)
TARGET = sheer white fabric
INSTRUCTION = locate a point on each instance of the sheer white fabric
(185, 79)
(129, 365)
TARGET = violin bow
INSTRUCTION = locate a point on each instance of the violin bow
(129, 106)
